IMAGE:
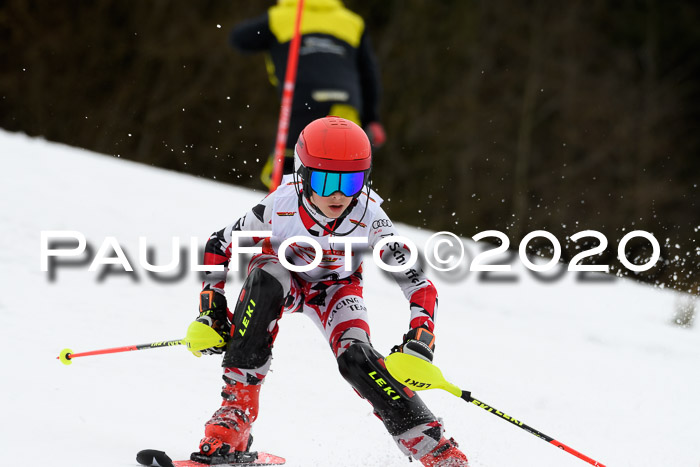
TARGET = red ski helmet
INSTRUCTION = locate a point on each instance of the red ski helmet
(333, 154)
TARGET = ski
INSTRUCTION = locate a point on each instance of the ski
(154, 458)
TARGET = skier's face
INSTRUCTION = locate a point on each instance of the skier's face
(331, 206)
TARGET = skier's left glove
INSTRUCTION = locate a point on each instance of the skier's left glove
(419, 342)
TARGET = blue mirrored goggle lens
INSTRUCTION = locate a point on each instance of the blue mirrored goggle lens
(327, 183)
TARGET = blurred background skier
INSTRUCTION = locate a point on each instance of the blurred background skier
(337, 72)
(329, 195)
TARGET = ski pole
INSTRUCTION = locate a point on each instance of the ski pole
(199, 337)
(66, 356)
(420, 375)
(287, 97)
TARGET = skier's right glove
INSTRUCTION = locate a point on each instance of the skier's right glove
(213, 312)
(419, 342)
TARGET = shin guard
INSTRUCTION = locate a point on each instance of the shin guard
(254, 327)
(399, 408)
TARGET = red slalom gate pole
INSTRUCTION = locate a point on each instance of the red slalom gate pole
(287, 97)
(67, 354)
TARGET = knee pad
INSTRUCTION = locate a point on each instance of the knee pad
(347, 339)
(399, 408)
(259, 304)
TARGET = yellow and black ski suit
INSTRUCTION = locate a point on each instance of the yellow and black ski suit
(337, 72)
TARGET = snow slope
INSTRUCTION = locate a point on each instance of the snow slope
(596, 365)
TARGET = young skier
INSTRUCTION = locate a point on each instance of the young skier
(330, 195)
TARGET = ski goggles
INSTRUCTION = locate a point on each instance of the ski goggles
(327, 183)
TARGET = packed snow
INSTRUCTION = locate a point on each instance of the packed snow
(598, 365)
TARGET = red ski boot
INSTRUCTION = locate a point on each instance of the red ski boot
(229, 428)
(445, 454)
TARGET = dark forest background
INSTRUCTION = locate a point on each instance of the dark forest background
(506, 115)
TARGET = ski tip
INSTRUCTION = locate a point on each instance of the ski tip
(270, 459)
(152, 457)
